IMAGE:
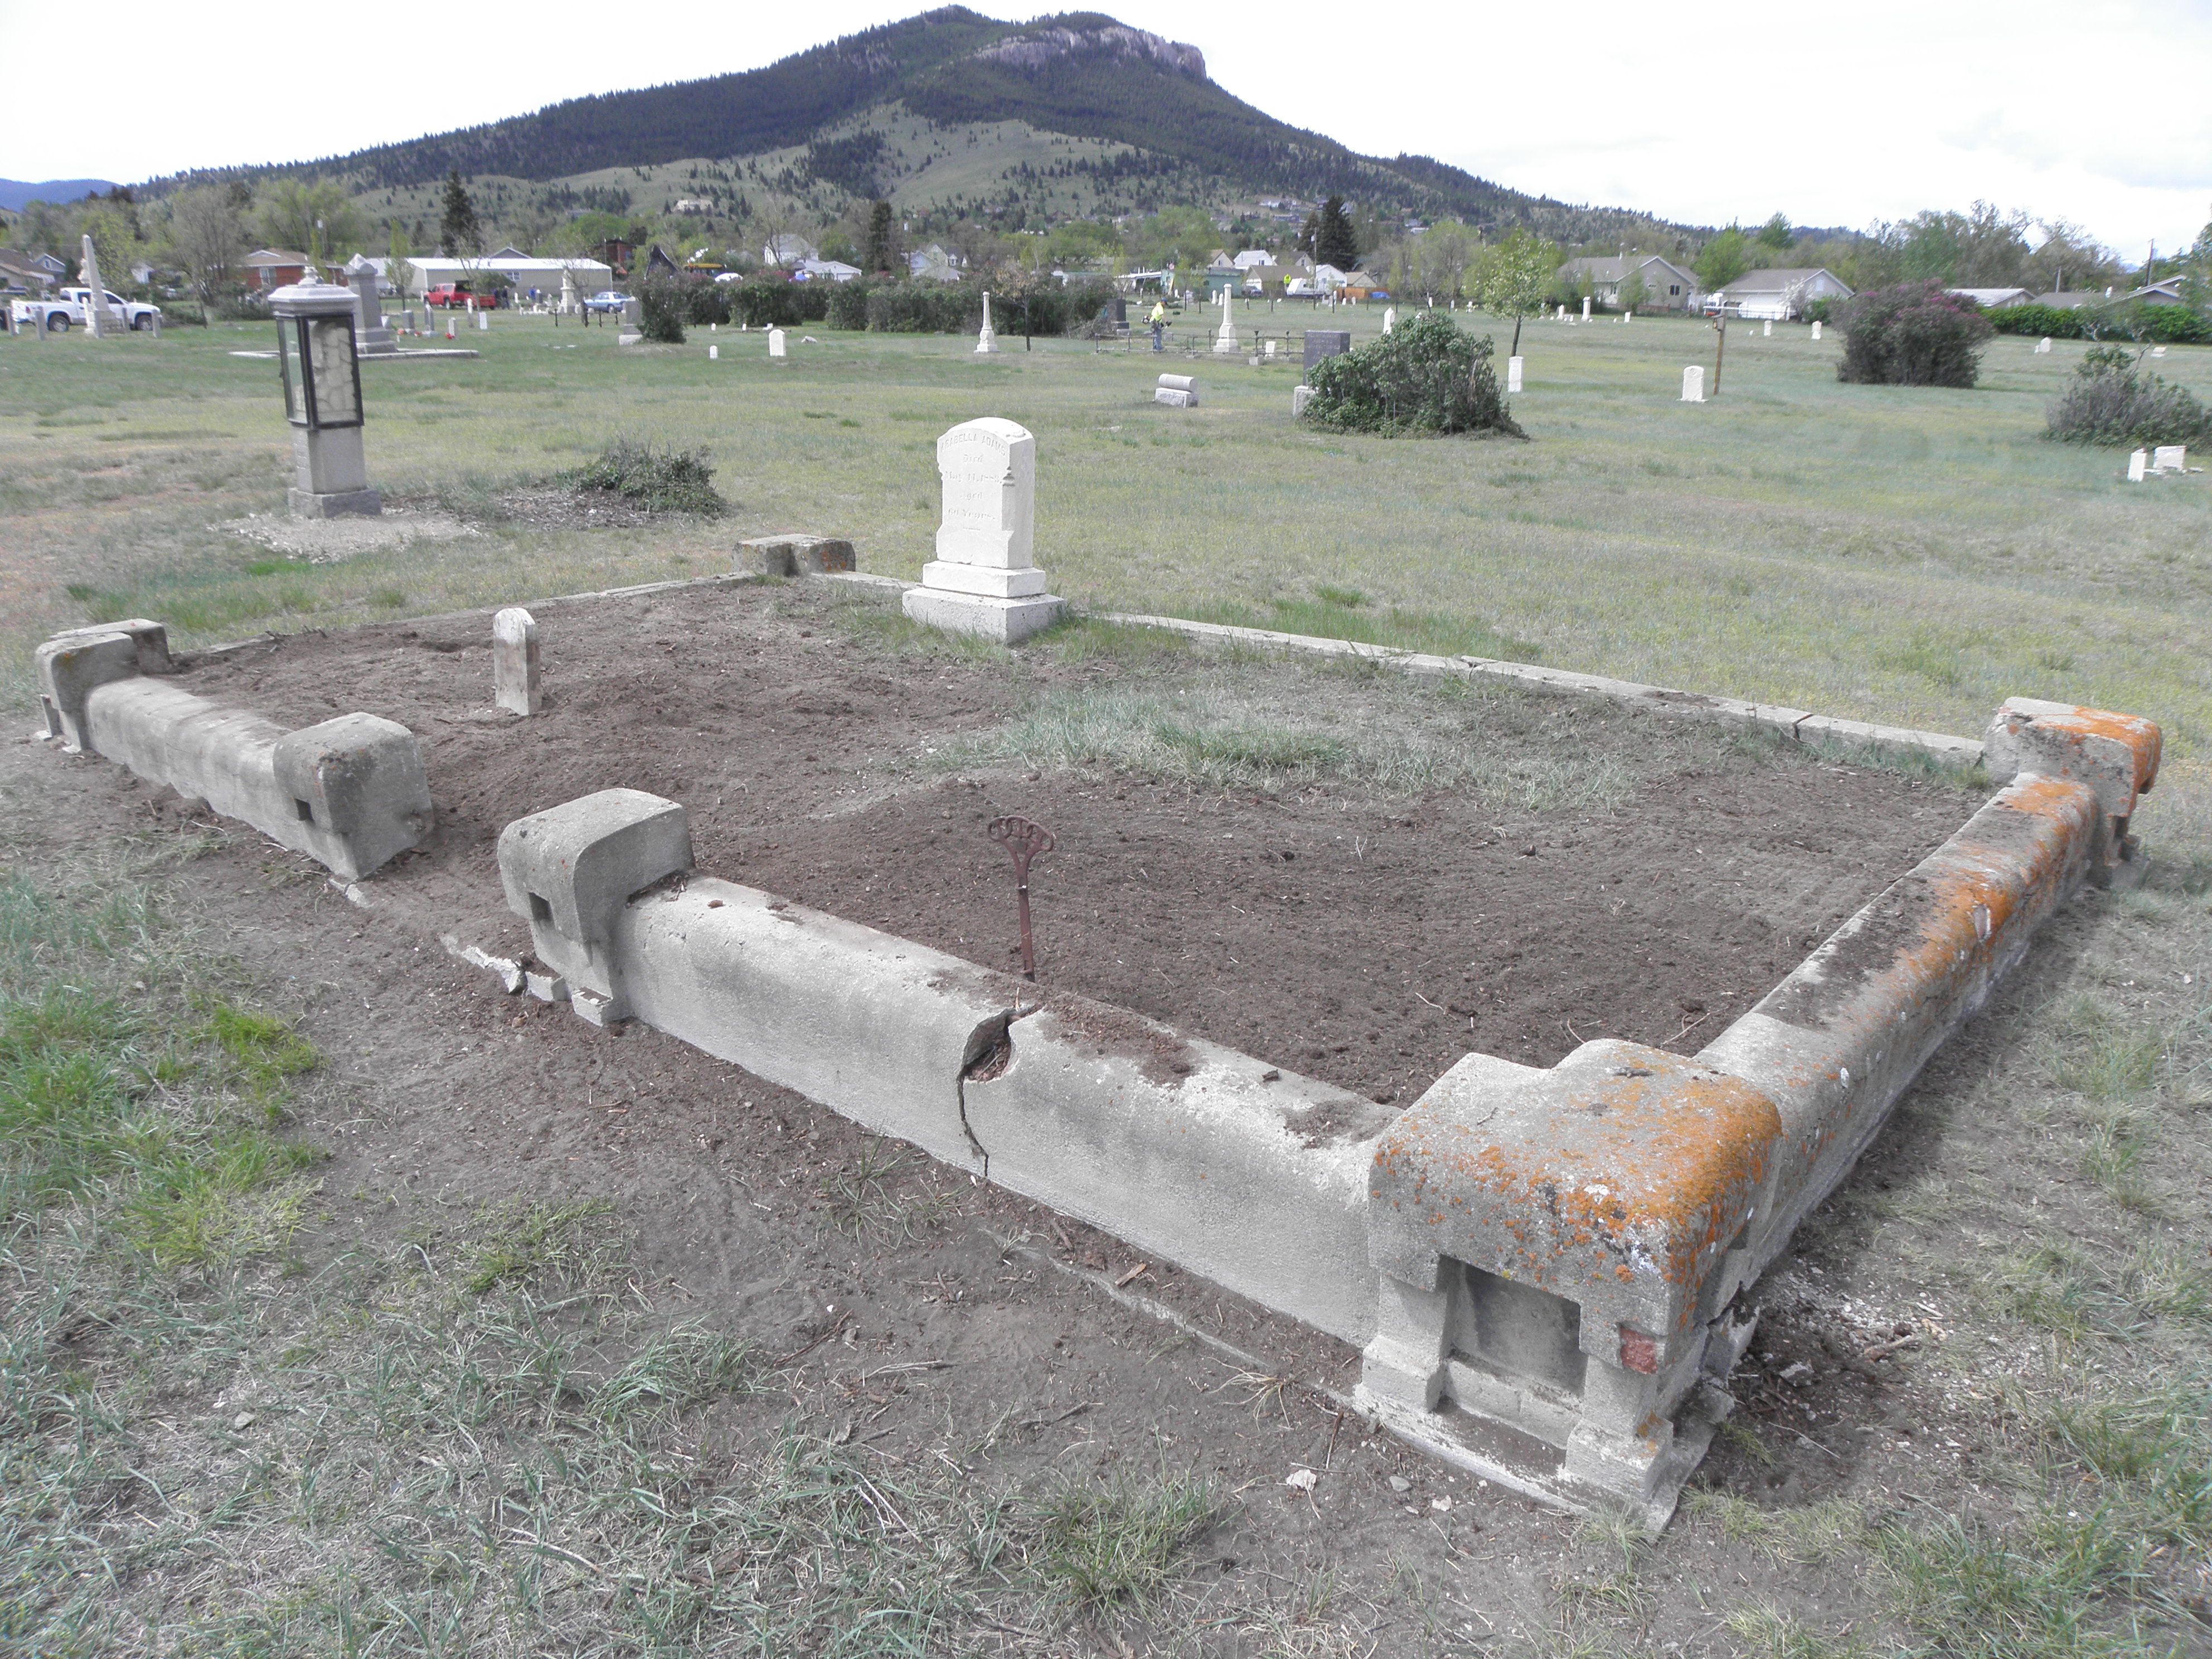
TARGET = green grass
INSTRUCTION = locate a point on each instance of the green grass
(1905, 556)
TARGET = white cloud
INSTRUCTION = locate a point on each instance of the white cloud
(2094, 114)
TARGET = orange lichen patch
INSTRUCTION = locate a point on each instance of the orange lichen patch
(1605, 1171)
(2142, 738)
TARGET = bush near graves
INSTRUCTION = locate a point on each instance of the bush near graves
(772, 302)
(946, 308)
(663, 305)
(2037, 320)
(1913, 334)
(1423, 377)
(2166, 324)
(658, 480)
(2113, 400)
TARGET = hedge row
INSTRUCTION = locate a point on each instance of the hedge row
(880, 307)
(2164, 324)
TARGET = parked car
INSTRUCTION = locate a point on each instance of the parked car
(66, 310)
(455, 296)
(607, 299)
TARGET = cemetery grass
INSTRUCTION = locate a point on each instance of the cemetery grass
(507, 1338)
(1904, 556)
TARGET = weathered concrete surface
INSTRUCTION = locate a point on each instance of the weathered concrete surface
(349, 791)
(1563, 1254)
(2116, 754)
(795, 556)
(1002, 620)
(515, 679)
(1216, 1161)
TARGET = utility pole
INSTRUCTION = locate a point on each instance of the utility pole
(1720, 349)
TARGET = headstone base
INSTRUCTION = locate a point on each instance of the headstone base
(335, 504)
(1005, 621)
(991, 581)
(796, 556)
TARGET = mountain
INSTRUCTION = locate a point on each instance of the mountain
(1151, 121)
(17, 194)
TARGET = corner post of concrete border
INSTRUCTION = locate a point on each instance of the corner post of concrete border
(357, 786)
(1555, 1252)
(2117, 755)
(71, 665)
(514, 660)
(570, 870)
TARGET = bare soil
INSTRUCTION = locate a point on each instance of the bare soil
(1366, 937)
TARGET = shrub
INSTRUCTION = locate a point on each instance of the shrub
(1423, 376)
(848, 305)
(704, 301)
(1822, 310)
(2113, 400)
(662, 305)
(2164, 324)
(661, 480)
(2056, 321)
(1914, 334)
(771, 302)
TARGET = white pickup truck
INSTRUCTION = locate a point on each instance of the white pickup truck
(66, 310)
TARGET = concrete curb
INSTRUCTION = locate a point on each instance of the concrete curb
(1798, 725)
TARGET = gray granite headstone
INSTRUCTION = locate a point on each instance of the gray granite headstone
(1326, 343)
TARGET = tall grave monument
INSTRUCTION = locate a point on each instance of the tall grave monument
(371, 338)
(984, 579)
(102, 320)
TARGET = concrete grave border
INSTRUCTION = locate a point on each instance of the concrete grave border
(1548, 1270)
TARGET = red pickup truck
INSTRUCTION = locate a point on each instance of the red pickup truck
(456, 296)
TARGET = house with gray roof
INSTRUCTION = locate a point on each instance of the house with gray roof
(1667, 286)
(1778, 293)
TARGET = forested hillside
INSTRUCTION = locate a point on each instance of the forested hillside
(1081, 74)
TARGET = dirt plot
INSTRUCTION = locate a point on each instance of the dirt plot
(1334, 871)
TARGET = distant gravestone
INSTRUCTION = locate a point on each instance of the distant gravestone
(632, 330)
(1390, 318)
(1300, 397)
(2137, 464)
(100, 318)
(371, 338)
(1766, 329)
(1816, 328)
(1177, 391)
(1513, 373)
(1563, 314)
(514, 661)
(984, 579)
(2158, 352)
(714, 354)
(1224, 339)
(1586, 303)
(1693, 383)
(775, 342)
(2043, 345)
(2170, 457)
(1326, 343)
(986, 341)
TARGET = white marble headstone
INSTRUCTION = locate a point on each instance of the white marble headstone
(1513, 374)
(2138, 463)
(775, 343)
(987, 471)
(1693, 383)
(2043, 345)
(2170, 457)
(514, 660)
(1816, 329)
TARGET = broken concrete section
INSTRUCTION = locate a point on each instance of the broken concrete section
(349, 791)
(796, 556)
(1565, 1254)
(1232, 1168)
(2116, 754)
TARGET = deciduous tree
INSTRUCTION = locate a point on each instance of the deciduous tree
(1512, 279)
(1723, 259)
(316, 218)
(208, 236)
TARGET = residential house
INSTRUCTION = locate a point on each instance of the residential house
(1667, 286)
(693, 205)
(2167, 293)
(1988, 299)
(1253, 256)
(22, 273)
(521, 273)
(1778, 295)
(615, 254)
(273, 267)
(824, 271)
(789, 251)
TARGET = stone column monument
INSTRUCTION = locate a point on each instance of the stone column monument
(1225, 337)
(569, 303)
(371, 337)
(986, 342)
(100, 318)
(983, 580)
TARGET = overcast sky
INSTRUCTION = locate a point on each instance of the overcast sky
(2096, 112)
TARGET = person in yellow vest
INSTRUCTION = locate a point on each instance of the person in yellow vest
(1159, 322)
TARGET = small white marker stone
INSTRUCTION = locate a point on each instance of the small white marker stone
(2137, 464)
(1693, 383)
(1513, 374)
(514, 660)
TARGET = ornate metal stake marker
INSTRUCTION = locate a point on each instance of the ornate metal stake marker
(1023, 841)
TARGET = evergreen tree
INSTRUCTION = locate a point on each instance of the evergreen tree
(879, 237)
(457, 233)
(1335, 243)
(1775, 233)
